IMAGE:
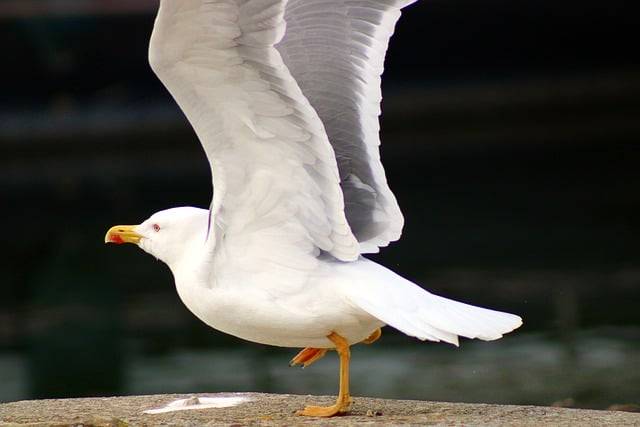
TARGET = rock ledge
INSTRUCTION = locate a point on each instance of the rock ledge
(276, 409)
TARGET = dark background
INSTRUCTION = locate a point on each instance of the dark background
(510, 136)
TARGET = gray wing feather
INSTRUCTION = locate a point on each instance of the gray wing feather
(335, 50)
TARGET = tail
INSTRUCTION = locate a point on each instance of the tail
(409, 308)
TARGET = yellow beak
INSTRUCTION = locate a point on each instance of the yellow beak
(122, 234)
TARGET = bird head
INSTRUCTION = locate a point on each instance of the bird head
(167, 235)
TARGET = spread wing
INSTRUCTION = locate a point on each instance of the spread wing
(276, 180)
(335, 50)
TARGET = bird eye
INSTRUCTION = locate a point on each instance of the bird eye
(156, 227)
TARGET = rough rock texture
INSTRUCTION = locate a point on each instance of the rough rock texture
(270, 409)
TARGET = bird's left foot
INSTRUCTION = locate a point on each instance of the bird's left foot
(340, 407)
(308, 356)
(375, 336)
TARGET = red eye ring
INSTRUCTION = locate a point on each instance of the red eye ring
(156, 227)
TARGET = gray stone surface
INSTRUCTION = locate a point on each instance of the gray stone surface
(271, 409)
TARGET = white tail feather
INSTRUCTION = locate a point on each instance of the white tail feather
(409, 308)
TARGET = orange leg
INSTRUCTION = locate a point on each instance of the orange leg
(375, 336)
(307, 356)
(344, 399)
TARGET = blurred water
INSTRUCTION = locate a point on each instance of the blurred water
(522, 369)
(598, 369)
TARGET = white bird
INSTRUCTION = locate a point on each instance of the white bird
(285, 97)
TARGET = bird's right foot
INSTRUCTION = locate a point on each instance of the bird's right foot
(343, 402)
(340, 407)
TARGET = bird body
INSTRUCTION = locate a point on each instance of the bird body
(286, 316)
(299, 306)
(284, 97)
(272, 310)
(333, 300)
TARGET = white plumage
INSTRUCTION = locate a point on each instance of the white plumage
(285, 98)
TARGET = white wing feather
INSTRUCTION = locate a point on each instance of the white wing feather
(335, 50)
(276, 181)
(421, 314)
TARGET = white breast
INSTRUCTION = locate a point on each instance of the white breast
(264, 313)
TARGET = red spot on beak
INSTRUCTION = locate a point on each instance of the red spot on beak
(115, 238)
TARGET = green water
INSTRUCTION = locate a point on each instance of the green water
(598, 369)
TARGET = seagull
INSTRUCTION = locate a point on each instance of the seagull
(284, 96)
